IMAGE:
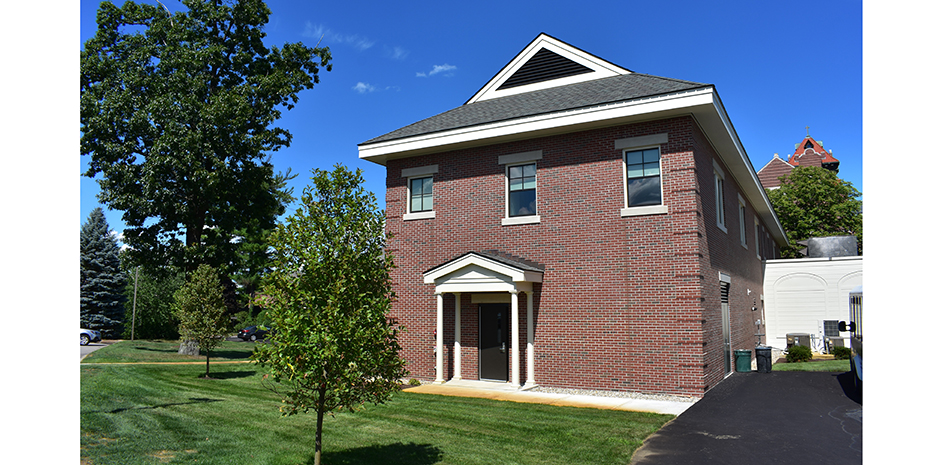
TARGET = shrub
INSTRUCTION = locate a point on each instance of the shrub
(842, 353)
(414, 382)
(799, 354)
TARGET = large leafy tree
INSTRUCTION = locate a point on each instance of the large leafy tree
(102, 281)
(199, 308)
(814, 202)
(327, 296)
(178, 114)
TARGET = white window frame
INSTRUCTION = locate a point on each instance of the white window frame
(416, 173)
(720, 197)
(757, 237)
(631, 144)
(742, 216)
(516, 159)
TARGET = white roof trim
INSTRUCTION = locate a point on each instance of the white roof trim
(597, 114)
(516, 274)
(602, 69)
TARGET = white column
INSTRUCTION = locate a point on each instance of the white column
(514, 338)
(530, 344)
(439, 347)
(457, 336)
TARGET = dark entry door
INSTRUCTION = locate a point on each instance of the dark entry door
(494, 341)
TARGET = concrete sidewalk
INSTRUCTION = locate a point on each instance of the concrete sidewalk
(503, 391)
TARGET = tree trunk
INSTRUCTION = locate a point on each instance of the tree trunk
(207, 364)
(189, 347)
(319, 441)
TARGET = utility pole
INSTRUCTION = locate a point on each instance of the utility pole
(134, 311)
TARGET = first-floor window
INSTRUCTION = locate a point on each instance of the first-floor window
(422, 194)
(643, 178)
(522, 190)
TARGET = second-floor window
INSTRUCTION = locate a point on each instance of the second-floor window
(643, 178)
(421, 193)
(522, 190)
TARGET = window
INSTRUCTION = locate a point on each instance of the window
(757, 237)
(419, 202)
(521, 193)
(643, 178)
(421, 193)
(720, 198)
(642, 174)
(522, 190)
(742, 225)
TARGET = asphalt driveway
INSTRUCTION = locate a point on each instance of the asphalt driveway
(766, 418)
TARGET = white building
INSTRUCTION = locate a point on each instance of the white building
(808, 295)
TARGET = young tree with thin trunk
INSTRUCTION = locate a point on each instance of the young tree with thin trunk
(328, 296)
(198, 306)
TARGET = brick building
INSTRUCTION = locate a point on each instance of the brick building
(576, 224)
(808, 152)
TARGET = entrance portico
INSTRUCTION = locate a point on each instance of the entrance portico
(489, 276)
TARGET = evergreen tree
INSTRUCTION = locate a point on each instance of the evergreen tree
(103, 282)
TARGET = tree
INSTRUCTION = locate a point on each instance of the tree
(198, 306)
(177, 115)
(154, 315)
(102, 281)
(814, 202)
(328, 295)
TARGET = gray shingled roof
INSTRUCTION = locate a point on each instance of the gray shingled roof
(581, 95)
(498, 256)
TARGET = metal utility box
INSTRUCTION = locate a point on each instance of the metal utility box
(798, 339)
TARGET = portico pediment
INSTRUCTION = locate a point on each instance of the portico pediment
(484, 272)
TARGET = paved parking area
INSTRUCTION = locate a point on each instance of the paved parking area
(766, 418)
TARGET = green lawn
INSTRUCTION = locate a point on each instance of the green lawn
(823, 365)
(145, 414)
(166, 351)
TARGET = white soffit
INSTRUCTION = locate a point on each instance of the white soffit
(602, 69)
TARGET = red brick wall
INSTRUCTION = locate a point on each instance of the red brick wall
(626, 303)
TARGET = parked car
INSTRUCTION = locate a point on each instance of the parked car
(253, 333)
(90, 335)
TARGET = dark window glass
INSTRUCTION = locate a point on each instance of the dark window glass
(422, 194)
(522, 190)
(643, 178)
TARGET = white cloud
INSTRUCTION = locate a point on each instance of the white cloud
(398, 53)
(437, 69)
(363, 88)
(329, 37)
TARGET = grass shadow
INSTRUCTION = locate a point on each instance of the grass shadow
(192, 400)
(229, 374)
(387, 454)
(152, 349)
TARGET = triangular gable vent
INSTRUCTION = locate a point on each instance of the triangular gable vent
(545, 65)
(546, 62)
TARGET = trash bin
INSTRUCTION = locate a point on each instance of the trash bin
(742, 361)
(764, 359)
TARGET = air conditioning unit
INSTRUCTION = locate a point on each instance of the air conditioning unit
(799, 339)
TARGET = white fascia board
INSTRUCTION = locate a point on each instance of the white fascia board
(519, 127)
(515, 274)
(732, 153)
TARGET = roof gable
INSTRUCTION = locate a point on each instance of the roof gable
(545, 63)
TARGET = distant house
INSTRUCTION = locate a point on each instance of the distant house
(808, 152)
(576, 224)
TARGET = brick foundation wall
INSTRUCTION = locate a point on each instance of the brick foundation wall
(626, 303)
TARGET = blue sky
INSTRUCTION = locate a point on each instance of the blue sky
(778, 67)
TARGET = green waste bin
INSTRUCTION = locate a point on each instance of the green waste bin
(742, 361)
